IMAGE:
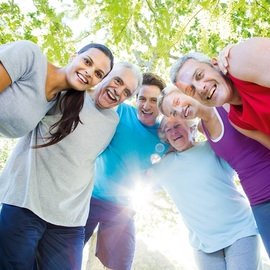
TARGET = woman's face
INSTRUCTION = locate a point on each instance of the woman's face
(87, 69)
(178, 133)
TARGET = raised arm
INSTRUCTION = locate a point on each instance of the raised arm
(5, 80)
(250, 60)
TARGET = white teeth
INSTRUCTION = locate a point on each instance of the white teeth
(211, 92)
(82, 78)
(143, 111)
(112, 96)
(186, 111)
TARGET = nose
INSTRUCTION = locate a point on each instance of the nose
(89, 72)
(119, 90)
(146, 104)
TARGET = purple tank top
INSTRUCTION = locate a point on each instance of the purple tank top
(246, 156)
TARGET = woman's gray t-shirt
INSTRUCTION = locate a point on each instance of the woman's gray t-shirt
(56, 182)
(23, 104)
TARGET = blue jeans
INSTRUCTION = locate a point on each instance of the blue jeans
(28, 242)
(261, 213)
(244, 254)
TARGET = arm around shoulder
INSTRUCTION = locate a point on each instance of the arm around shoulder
(250, 59)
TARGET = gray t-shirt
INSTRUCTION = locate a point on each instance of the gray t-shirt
(23, 103)
(56, 182)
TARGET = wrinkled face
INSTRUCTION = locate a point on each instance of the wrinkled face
(177, 104)
(87, 69)
(178, 133)
(147, 109)
(118, 86)
(204, 83)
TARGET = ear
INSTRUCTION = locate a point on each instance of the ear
(214, 61)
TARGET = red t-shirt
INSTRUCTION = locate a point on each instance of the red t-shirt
(254, 113)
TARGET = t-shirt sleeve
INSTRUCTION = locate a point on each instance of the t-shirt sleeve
(18, 58)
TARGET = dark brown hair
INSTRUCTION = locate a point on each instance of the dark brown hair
(71, 103)
(153, 79)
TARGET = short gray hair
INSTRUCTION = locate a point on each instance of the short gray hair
(191, 123)
(200, 57)
(135, 70)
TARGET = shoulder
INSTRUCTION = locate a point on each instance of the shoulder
(24, 45)
(125, 109)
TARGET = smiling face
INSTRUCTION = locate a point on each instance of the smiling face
(178, 133)
(87, 69)
(177, 104)
(119, 85)
(147, 108)
(204, 83)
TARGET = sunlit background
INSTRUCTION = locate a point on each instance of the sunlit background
(162, 238)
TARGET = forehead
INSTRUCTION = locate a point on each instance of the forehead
(149, 91)
(186, 72)
(127, 76)
(100, 59)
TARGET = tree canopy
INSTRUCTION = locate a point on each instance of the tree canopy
(150, 33)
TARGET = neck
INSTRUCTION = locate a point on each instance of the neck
(55, 81)
(235, 98)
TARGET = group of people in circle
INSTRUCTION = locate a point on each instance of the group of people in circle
(81, 147)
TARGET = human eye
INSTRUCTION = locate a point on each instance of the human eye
(199, 75)
(127, 92)
(173, 113)
(168, 130)
(154, 100)
(141, 98)
(99, 74)
(88, 61)
(118, 81)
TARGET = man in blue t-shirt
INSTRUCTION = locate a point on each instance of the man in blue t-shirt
(131, 151)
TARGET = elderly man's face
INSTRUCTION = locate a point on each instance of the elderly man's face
(119, 85)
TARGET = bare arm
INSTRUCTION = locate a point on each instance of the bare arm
(250, 60)
(5, 80)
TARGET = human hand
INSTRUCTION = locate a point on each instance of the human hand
(223, 57)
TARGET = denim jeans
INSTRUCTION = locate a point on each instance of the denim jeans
(28, 242)
(261, 214)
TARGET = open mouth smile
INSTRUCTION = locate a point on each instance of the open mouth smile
(82, 78)
(211, 92)
(111, 95)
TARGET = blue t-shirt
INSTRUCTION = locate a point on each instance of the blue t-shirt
(131, 151)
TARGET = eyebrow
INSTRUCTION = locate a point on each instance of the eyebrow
(98, 69)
